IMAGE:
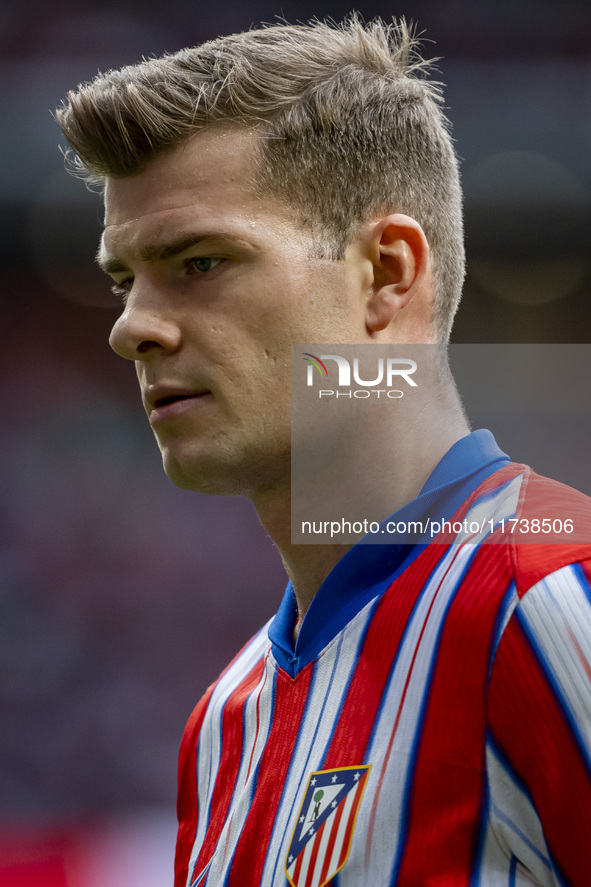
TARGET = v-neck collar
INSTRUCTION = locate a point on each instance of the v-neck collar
(367, 570)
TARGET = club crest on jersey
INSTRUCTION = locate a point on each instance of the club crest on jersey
(324, 827)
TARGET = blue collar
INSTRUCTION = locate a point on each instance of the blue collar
(368, 570)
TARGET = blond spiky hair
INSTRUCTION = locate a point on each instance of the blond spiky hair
(351, 127)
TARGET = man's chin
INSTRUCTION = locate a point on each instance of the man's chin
(242, 471)
(211, 476)
(204, 480)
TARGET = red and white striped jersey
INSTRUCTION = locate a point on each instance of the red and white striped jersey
(432, 725)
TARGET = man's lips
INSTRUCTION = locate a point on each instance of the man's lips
(164, 402)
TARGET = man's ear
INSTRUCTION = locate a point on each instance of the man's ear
(399, 254)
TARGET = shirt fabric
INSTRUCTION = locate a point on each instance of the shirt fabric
(432, 725)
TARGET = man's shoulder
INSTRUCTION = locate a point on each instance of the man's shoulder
(544, 494)
(550, 528)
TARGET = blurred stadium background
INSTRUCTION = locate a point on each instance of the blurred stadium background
(121, 597)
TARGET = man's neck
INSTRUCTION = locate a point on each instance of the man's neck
(409, 456)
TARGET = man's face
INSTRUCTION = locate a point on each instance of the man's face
(218, 283)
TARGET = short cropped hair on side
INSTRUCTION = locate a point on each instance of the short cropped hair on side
(351, 128)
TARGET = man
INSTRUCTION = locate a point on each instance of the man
(415, 713)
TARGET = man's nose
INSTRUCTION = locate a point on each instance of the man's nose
(143, 329)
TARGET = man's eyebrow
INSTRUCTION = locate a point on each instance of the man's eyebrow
(157, 251)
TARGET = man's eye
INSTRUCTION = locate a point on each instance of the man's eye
(123, 288)
(202, 265)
